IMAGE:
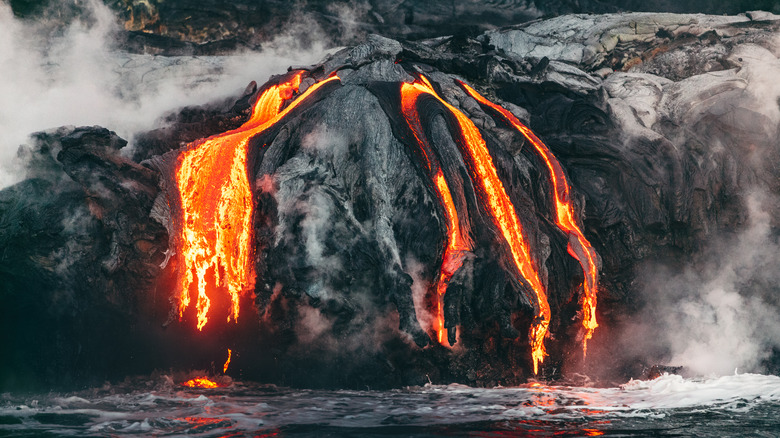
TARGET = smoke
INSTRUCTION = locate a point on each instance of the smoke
(350, 18)
(719, 314)
(318, 229)
(715, 310)
(77, 76)
(420, 289)
(314, 327)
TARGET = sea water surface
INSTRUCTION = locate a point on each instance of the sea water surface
(737, 406)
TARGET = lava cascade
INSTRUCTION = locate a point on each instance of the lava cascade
(457, 243)
(578, 246)
(216, 201)
(496, 201)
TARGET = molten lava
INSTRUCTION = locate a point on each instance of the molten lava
(457, 243)
(227, 362)
(217, 205)
(453, 254)
(499, 206)
(578, 247)
(201, 382)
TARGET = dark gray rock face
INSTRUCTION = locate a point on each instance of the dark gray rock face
(206, 26)
(662, 123)
(184, 27)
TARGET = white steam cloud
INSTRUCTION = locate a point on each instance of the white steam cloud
(78, 77)
(723, 315)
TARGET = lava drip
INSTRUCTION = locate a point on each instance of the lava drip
(578, 246)
(227, 362)
(499, 206)
(217, 204)
(457, 243)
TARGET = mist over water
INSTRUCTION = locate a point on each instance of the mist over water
(716, 314)
(73, 74)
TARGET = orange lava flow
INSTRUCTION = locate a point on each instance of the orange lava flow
(227, 362)
(216, 201)
(578, 247)
(457, 244)
(500, 207)
(201, 382)
(453, 255)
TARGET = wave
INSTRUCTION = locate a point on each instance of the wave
(160, 406)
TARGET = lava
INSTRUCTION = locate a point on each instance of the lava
(227, 362)
(201, 382)
(217, 207)
(457, 243)
(453, 254)
(499, 206)
(578, 246)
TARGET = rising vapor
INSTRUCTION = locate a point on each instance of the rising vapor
(78, 76)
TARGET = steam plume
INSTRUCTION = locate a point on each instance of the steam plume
(77, 77)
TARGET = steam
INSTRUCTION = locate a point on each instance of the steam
(311, 216)
(721, 315)
(420, 289)
(78, 77)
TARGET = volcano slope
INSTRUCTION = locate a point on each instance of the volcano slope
(384, 251)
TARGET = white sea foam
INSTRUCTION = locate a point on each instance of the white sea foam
(246, 407)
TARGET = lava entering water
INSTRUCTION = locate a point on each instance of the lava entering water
(457, 243)
(497, 203)
(578, 247)
(217, 205)
(201, 382)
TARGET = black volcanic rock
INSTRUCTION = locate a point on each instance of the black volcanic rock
(80, 257)
(250, 23)
(186, 27)
(663, 124)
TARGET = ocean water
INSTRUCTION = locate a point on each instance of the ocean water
(744, 405)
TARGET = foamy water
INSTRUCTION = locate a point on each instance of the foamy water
(738, 405)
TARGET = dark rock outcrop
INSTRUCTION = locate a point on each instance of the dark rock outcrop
(81, 259)
(183, 27)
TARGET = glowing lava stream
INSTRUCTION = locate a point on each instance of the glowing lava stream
(500, 207)
(453, 255)
(227, 362)
(578, 247)
(216, 201)
(457, 244)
